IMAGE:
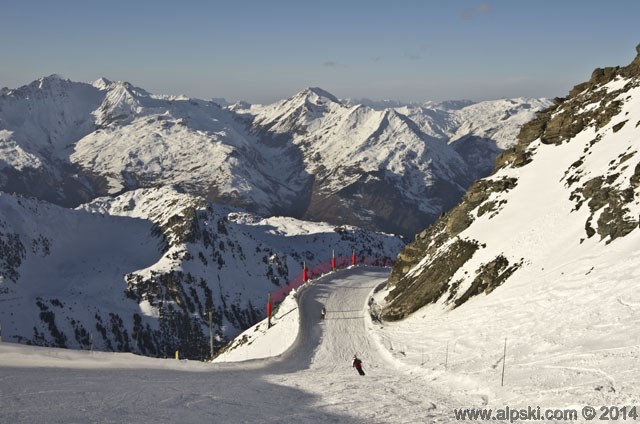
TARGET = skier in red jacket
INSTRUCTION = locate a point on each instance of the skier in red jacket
(357, 364)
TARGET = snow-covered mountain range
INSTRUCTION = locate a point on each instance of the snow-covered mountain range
(311, 156)
(140, 272)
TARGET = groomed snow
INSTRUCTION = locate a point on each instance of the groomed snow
(311, 382)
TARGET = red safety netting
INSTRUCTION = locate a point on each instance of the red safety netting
(324, 268)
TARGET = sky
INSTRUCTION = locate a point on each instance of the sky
(265, 50)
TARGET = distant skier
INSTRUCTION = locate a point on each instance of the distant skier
(357, 364)
(323, 312)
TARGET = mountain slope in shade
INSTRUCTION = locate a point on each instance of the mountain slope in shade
(140, 272)
(309, 156)
(567, 192)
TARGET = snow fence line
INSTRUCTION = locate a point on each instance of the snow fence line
(333, 264)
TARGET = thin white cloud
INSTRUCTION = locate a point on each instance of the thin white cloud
(412, 56)
(472, 12)
(334, 64)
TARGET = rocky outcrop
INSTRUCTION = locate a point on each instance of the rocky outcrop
(446, 252)
(567, 117)
(428, 270)
(433, 281)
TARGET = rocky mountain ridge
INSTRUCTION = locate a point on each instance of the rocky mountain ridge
(576, 163)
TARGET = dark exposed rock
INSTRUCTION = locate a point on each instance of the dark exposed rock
(460, 217)
(635, 178)
(566, 118)
(447, 226)
(412, 293)
(617, 127)
(489, 277)
(12, 253)
(615, 220)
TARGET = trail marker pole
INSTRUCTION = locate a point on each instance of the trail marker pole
(504, 359)
(211, 334)
(446, 357)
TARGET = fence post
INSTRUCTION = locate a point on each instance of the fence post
(305, 276)
(269, 310)
(333, 260)
(353, 257)
(211, 334)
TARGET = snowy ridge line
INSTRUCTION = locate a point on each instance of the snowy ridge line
(308, 156)
(326, 267)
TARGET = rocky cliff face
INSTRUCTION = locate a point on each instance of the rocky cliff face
(576, 162)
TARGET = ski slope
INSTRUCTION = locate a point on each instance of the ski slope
(311, 382)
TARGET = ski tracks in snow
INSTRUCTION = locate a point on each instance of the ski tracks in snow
(311, 382)
(322, 355)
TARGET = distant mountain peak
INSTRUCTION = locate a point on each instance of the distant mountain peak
(102, 83)
(449, 104)
(105, 84)
(53, 77)
(320, 93)
(53, 80)
(131, 89)
(376, 104)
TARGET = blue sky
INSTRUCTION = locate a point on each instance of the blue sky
(264, 50)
